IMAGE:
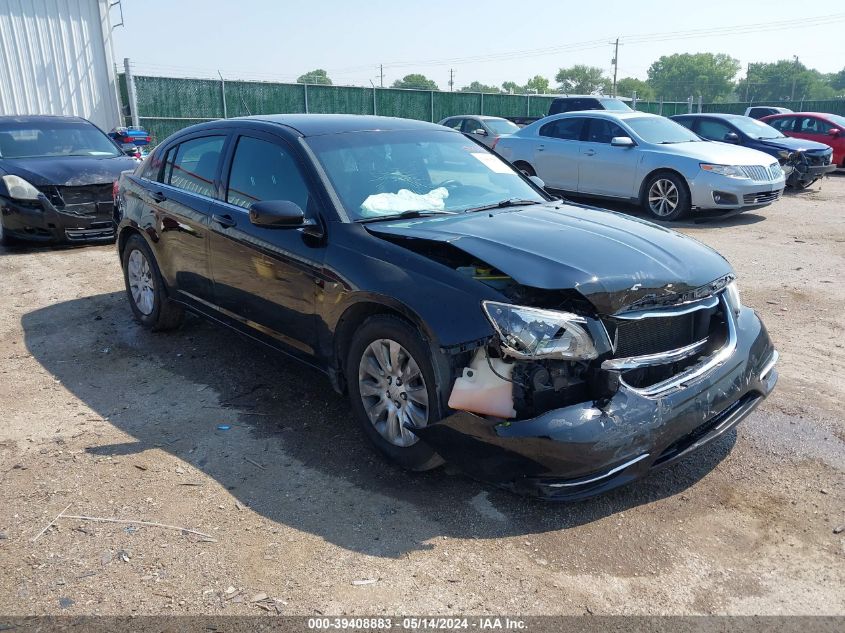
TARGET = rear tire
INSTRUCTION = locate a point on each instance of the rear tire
(384, 351)
(666, 197)
(145, 288)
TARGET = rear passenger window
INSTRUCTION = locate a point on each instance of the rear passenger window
(262, 170)
(782, 125)
(192, 165)
(565, 129)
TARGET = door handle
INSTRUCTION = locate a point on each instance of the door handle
(158, 196)
(590, 152)
(540, 148)
(225, 221)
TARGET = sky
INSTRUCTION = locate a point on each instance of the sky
(490, 41)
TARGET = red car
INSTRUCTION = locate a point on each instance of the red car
(813, 126)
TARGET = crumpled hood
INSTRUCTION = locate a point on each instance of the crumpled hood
(68, 171)
(718, 153)
(611, 259)
(793, 144)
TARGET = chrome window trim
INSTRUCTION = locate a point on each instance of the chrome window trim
(698, 371)
(651, 360)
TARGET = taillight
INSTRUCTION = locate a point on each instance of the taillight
(115, 188)
(495, 141)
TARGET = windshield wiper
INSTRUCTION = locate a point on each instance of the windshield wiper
(503, 204)
(404, 215)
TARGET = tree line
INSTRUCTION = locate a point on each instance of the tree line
(712, 76)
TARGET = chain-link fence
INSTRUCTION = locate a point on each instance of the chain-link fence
(167, 104)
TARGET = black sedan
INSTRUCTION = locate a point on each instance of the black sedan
(56, 179)
(545, 346)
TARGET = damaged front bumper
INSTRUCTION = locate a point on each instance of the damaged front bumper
(585, 449)
(41, 221)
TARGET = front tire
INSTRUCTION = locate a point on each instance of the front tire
(666, 197)
(148, 299)
(392, 385)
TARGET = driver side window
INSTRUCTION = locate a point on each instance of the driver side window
(262, 170)
(713, 130)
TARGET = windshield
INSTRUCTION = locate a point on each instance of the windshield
(382, 174)
(756, 129)
(660, 130)
(54, 138)
(501, 126)
(615, 104)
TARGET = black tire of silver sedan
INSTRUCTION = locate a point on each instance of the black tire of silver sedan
(392, 385)
(666, 197)
(145, 288)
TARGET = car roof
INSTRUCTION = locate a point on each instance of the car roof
(561, 97)
(602, 114)
(714, 115)
(318, 124)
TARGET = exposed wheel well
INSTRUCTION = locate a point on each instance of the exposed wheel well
(525, 165)
(347, 326)
(662, 170)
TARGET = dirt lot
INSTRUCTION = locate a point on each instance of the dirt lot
(112, 421)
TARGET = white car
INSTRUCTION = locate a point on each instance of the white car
(643, 158)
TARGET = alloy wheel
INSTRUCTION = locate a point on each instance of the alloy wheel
(141, 283)
(663, 197)
(393, 391)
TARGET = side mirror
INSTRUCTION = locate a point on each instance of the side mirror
(276, 214)
(731, 137)
(834, 131)
(537, 181)
(480, 132)
(622, 141)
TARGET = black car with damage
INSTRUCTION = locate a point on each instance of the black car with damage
(56, 180)
(545, 346)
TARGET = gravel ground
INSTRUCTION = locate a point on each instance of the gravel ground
(107, 420)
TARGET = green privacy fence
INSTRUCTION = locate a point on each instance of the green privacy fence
(167, 104)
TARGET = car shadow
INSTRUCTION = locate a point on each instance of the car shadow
(292, 453)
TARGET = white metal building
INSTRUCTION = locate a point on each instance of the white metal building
(56, 58)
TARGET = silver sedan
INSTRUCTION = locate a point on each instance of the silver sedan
(486, 129)
(643, 158)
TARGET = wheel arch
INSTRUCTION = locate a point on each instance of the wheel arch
(354, 316)
(662, 170)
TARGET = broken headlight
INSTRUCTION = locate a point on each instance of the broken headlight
(534, 333)
(20, 189)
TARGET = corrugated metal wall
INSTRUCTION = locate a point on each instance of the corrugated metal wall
(56, 58)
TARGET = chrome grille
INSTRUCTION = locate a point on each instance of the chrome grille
(761, 173)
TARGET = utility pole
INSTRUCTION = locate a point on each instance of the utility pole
(794, 77)
(381, 75)
(615, 65)
(451, 79)
(747, 80)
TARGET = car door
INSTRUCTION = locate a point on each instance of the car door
(604, 169)
(180, 199)
(265, 278)
(813, 129)
(556, 153)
